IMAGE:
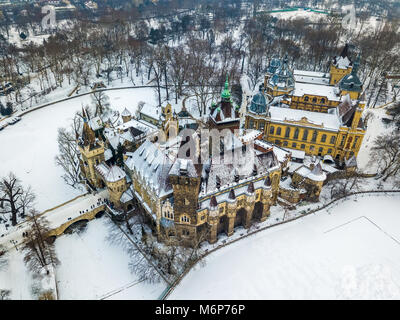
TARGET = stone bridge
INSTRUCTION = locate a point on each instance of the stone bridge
(87, 216)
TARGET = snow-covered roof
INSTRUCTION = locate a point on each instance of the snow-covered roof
(96, 123)
(329, 121)
(151, 111)
(127, 196)
(183, 167)
(298, 154)
(115, 174)
(126, 113)
(342, 62)
(107, 154)
(152, 166)
(315, 174)
(331, 92)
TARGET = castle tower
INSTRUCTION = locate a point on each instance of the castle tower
(340, 66)
(92, 152)
(186, 185)
(116, 184)
(282, 81)
(126, 115)
(351, 84)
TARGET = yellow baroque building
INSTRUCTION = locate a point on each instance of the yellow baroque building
(311, 112)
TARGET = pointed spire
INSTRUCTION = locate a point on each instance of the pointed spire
(226, 94)
(345, 51)
(232, 195)
(84, 115)
(250, 188)
(213, 202)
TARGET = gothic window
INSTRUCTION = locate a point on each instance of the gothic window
(314, 136)
(305, 135)
(271, 130)
(296, 133)
(287, 133)
(278, 131)
(323, 138)
(185, 218)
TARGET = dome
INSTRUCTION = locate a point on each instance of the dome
(273, 65)
(283, 77)
(258, 103)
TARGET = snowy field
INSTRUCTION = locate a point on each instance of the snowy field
(375, 127)
(92, 268)
(28, 148)
(350, 251)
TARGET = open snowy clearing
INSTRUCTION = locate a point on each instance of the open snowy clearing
(28, 148)
(350, 251)
(92, 268)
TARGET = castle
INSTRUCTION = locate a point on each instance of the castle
(313, 113)
(194, 188)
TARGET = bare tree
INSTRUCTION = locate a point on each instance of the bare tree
(100, 102)
(344, 186)
(39, 252)
(5, 294)
(68, 157)
(14, 199)
(386, 153)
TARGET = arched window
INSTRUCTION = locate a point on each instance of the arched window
(278, 131)
(323, 138)
(323, 100)
(296, 133)
(287, 132)
(271, 130)
(306, 98)
(314, 100)
(185, 218)
(314, 136)
(305, 135)
(333, 139)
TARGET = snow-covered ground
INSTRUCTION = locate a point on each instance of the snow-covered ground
(350, 251)
(375, 127)
(92, 268)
